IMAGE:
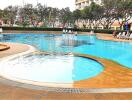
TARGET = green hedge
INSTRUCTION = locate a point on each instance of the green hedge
(31, 29)
(95, 30)
(57, 29)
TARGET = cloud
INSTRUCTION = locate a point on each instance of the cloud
(52, 3)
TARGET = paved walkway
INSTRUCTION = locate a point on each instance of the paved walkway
(15, 93)
(110, 37)
(14, 49)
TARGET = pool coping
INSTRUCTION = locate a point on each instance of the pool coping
(31, 49)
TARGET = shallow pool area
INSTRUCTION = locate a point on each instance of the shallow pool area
(51, 68)
(83, 44)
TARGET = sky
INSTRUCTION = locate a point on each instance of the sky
(52, 3)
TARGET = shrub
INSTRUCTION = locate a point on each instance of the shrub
(58, 29)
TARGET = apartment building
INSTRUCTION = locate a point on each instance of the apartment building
(80, 4)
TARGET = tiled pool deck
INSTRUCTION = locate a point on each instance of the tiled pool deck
(14, 49)
(15, 93)
(114, 76)
(111, 38)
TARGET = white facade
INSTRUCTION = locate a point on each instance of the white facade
(81, 4)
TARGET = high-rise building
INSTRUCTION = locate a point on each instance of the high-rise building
(80, 4)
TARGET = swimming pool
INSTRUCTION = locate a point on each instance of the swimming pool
(51, 68)
(117, 51)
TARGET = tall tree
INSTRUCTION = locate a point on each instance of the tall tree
(41, 13)
(123, 11)
(9, 14)
(65, 16)
(108, 16)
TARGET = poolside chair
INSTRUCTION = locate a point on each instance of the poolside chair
(127, 35)
(130, 37)
(64, 31)
(91, 32)
(123, 35)
(119, 35)
(70, 32)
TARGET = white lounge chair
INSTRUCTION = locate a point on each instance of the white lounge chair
(130, 37)
(64, 31)
(127, 35)
(123, 35)
(70, 32)
(119, 35)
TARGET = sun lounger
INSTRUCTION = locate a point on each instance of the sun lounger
(70, 32)
(123, 35)
(127, 35)
(119, 35)
(130, 37)
(64, 31)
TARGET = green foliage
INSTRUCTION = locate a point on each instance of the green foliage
(91, 16)
(107, 13)
(65, 16)
(56, 29)
(31, 29)
(76, 15)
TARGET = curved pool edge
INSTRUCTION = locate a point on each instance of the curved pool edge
(17, 54)
(35, 83)
(4, 47)
(107, 79)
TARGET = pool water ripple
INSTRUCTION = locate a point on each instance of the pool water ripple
(51, 68)
(117, 51)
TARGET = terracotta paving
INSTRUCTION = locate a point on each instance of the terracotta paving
(14, 49)
(113, 76)
(16, 93)
(110, 37)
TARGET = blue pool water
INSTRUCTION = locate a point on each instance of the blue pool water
(57, 69)
(120, 52)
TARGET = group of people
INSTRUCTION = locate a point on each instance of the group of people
(122, 35)
(65, 31)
